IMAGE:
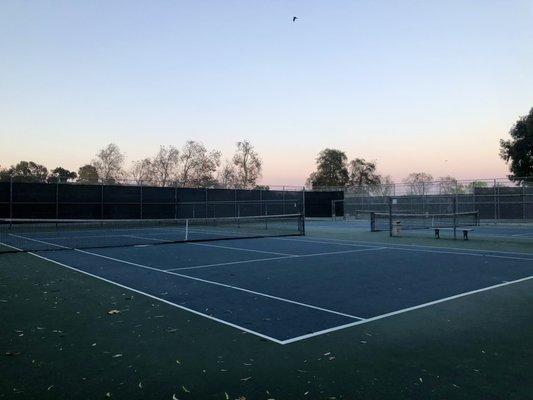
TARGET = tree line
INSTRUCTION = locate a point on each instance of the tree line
(192, 165)
(334, 170)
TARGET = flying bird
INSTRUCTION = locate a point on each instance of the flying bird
(294, 19)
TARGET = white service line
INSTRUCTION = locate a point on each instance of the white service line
(238, 249)
(404, 310)
(241, 328)
(274, 258)
(40, 241)
(414, 247)
(219, 284)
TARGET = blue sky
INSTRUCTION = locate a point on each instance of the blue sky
(416, 86)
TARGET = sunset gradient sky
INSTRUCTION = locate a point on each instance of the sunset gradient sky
(415, 86)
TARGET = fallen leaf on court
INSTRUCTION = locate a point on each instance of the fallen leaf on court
(117, 355)
(12, 353)
(94, 344)
(241, 398)
(140, 385)
(178, 362)
(306, 393)
(246, 379)
(420, 379)
(185, 389)
(174, 397)
(50, 387)
(113, 312)
(328, 353)
(226, 396)
(108, 395)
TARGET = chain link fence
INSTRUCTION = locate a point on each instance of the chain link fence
(497, 200)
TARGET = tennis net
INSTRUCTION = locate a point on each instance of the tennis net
(384, 221)
(39, 235)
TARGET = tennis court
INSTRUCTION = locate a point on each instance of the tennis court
(281, 288)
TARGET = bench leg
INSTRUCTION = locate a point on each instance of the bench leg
(437, 233)
(465, 235)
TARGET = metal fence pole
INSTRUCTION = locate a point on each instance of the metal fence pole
(176, 201)
(303, 202)
(57, 198)
(495, 202)
(11, 197)
(141, 201)
(102, 201)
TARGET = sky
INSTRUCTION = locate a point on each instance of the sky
(413, 85)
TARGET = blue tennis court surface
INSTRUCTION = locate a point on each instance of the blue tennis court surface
(289, 289)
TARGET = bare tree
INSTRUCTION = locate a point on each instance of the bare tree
(248, 165)
(141, 171)
(418, 183)
(450, 185)
(384, 188)
(108, 163)
(165, 165)
(227, 176)
(197, 164)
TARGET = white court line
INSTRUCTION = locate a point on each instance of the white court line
(238, 249)
(393, 246)
(219, 284)
(294, 339)
(241, 328)
(404, 310)
(205, 281)
(274, 258)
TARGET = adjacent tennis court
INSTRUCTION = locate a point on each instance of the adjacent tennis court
(278, 285)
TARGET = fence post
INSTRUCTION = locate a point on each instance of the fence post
(176, 201)
(235, 211)
(303, 202)
(283, 201)
(11, 198)
(496, 206)
(57, 197)
(141, 201)
(102, 201)
(523, 200)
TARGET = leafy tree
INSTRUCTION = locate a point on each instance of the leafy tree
(363, 173)
(27, 171)
(247, 164)
(518, 151)
(61, 175)
(108, 163)
(331, 169)
(450, 185)
(262, 187)
(480, 184)
(88, 174)
(418, 183)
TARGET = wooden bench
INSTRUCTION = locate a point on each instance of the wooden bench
(464, 230)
